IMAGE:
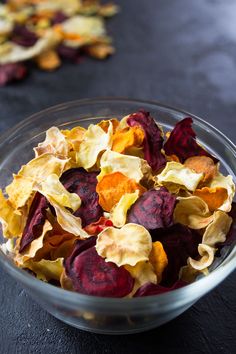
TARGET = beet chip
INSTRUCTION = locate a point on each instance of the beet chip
(182, 142)
(153, 138)
(91, 275)
(35, 221)
(83, 183)
(153, 210)
(23, 36)
(179, 242)
(12, 72)
(149, 289)
(69, 53)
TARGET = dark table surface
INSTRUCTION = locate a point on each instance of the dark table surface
(182, 53)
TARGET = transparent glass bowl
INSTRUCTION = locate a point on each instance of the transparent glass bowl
(106, 315)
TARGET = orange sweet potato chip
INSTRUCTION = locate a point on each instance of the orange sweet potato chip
(158, 259)
(127, 138)
(48, 60)
(214, 197)
(202, 164)
(104, 124)
(113, 186)
(100, 50)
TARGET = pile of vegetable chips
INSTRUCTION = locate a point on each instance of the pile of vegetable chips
(119, 209)
(48, 31)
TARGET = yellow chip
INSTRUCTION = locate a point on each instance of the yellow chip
(126, 246)
(142, 273)
(95, 141)
(45, 269)
(119, 211)
(193, 212)
(225, 182)
(176, 176)
(207, 257)
(217, 230)
(55, 143)
(158, 259)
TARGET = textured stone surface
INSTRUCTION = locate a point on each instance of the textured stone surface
(182, 53)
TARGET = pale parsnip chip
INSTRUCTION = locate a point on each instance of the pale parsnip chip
(225, 182)
(207, 257)
(53, 188)
(176, 176)
(45, 269)
(126, 246)
(95, 141)
(131, 166)
(74, 137)
(12, 220)
(193, 212)
(19, 53)
(217, 230)
(20, 190)
(68, 221)
(34, 246)
(119, 211)
(142, 273)
(55, 143)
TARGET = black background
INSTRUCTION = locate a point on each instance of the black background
(179, 52)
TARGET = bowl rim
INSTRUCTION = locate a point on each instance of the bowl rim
(209, 282)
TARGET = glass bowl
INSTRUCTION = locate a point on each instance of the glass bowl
(96, 314)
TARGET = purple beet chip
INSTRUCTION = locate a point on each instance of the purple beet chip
(72, 54)
(35, 221)
(179, 242)
(59, 17)
(92, 275)
(149, 289)
(182, 142)
(153, 210)
(83, 183)
(12, 72)
(153, 139)
(23, 36)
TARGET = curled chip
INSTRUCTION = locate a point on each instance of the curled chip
(96, 227)
(207, 256)
(182, 142)
(202, 164)
(83, 183)
(225, 182)
(153, 138)
(193, 212)
(46, 270)
(55, 143)
(113, 186)
(105, 124)
(91, 275)
(94, 142)
(142, 273)
(127, 138)
(213, 197)
(129, 245)
(54, 189)
(12, 220)
(150, 289)
(154, 209)
(74, 137)
(176, 176)
(35, 221)
(119, 211)
(179, 243)
(158, 259)
(131, 166)
(217, 230)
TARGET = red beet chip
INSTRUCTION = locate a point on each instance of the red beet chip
(182, 142)
(153, 210)
(83, 183)
(23, 36)
(153, 139)
(179, 242)
(35, 221)
(73, 54)
(12, 72)
(91, 275)
(58, 17)
(149, 289)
